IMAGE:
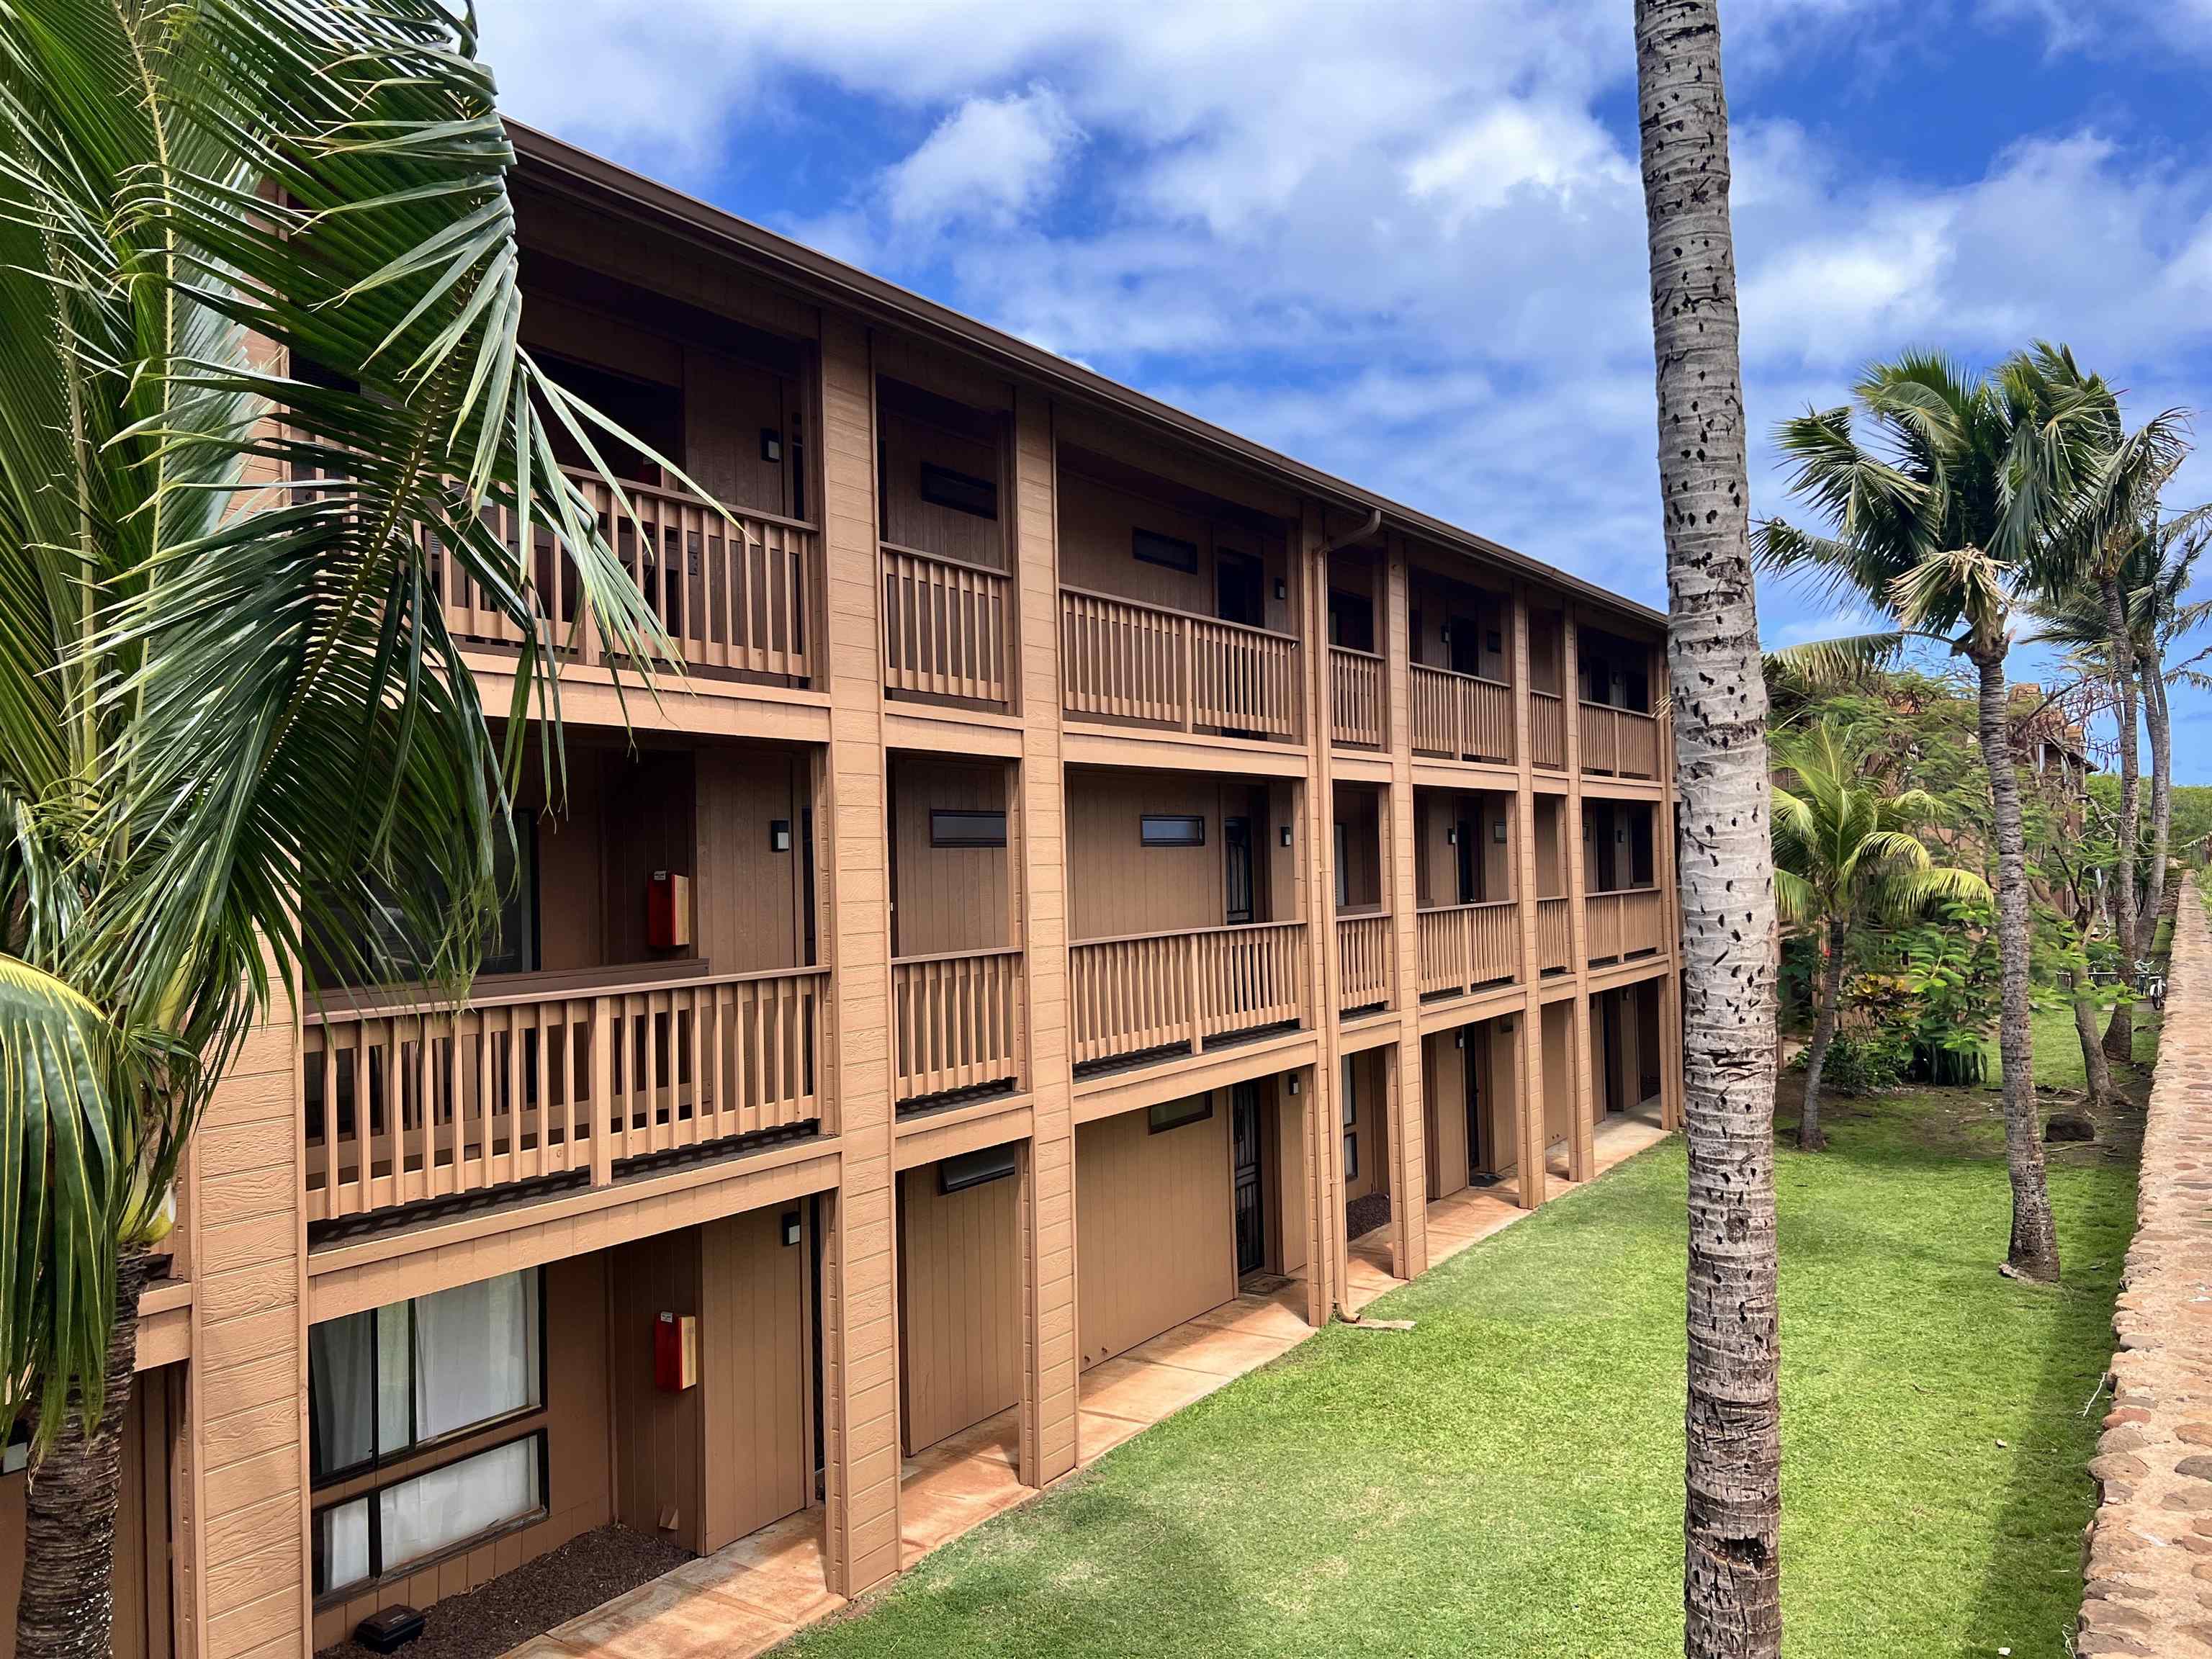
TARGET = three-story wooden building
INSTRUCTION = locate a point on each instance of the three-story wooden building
(1089, 851)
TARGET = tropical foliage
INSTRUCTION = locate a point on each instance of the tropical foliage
(1847, 852)
(231, 716)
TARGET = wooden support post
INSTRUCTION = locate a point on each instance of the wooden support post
(1407, 1100)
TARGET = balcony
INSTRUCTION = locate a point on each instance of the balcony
(1547, 730)
(1621, 743)
(1461, 716)
(1364, 951)
(1465, 947)
(1356, 710)
(405, 1101)
(733, 594)
(957, 1023)
(1554, 937)
(1142, 665)
(947, 628)
(1161, 993)
(1625, 924)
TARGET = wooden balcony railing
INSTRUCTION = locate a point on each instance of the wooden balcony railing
(1462, 717)
(1555, 942)
(947, 627)
(1464, 946)
(1363, 951)
(1626, 924)
(1547, 730)
(407, 1101)
(1125, 661)
(1619, 742)
(1355, 698)
(957, 1020)
(1153, 990)
(733, 596)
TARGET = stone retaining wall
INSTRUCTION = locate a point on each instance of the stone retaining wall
(2148, 1561)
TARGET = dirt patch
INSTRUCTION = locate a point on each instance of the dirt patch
(510, 1609)
(1364, 1215)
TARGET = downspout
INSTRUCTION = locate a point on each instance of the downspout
(1337, 543)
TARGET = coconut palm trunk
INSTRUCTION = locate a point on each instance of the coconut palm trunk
(2095, 1068)
(67, 1606)
(2158, 719)
(2119, 1033)
(1733, 1502)
(1810, 1139)
(2033, 1252)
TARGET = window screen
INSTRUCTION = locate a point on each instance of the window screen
(942, 487)
(956, 1174)
(1171, 829)
(1172, 551)
(960, 829)
(1174, 1114)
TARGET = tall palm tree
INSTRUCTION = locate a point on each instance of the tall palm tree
(231, 716)
(1969, 487)
(1732, 1512)
(1846, 852)
(2092, 558)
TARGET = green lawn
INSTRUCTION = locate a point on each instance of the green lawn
(1506, 1478)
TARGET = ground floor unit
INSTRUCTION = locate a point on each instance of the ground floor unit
(493, 1384)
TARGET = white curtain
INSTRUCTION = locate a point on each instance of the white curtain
(424, 1515)
(343, 1536)
(476, 1353)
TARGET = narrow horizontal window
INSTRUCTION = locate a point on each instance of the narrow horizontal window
(1174, 1114)
(942, 487)
(1172, 551)
(951, 829)
(956, 1175)
(1171, 829)
(387, 1531)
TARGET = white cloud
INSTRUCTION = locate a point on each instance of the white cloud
(992, 161)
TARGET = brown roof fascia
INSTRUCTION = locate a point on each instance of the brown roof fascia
(599, 182)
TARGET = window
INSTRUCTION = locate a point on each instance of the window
(960, 829)
(942, 487)
(386, 1382)
(409, 1520)
(956, 1175)
(1174, 1114)
(1171, 829)
(1176, 554)
(1343, 865)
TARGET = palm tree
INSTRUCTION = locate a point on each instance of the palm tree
(1732, 1510)
(1844, 854)
(231, 717)
(2116, 518)
(1970, 487)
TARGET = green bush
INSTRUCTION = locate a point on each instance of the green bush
(1865, 1063)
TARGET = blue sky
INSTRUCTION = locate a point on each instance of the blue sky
(1404, 241)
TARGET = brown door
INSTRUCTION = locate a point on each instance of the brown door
(1244, 1163)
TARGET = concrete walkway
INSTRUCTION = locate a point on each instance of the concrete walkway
(762, 1589)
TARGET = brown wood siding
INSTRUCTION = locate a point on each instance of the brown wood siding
(1155, 1244)
(1551, 855)
(648, 818)
(1121, 886)
(144, 1625)
(748, 895)
(578, 1496)
(947, 898)
(753, 1340)
(728, 404)
(657, 1463)
(1098, 522)
(1558, 1072)
(1286, 1186)
(571, 854)
(960, 1317)
(1370, 1082)
(909, 444)
(1358, 815)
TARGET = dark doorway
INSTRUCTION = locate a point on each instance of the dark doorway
(1237, 871)
(1609, 1054)
(1470, 872)
(1466, 646)
(1471, 1066)
(1251, 1207)
(1240, 589)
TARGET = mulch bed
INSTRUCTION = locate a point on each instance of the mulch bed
(1364, 1215)
(486, 1621)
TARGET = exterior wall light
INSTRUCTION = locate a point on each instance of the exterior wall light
(779, 835)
